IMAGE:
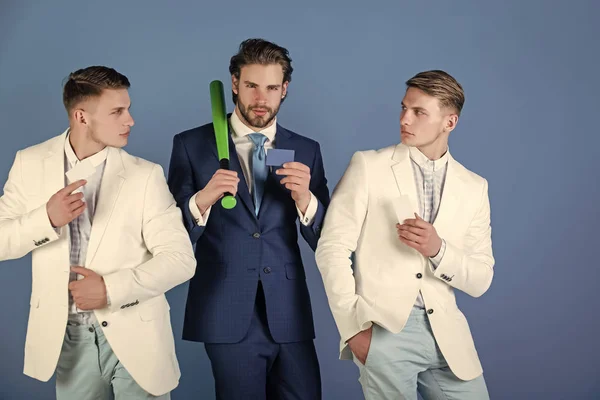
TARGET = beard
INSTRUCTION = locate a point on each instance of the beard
(258, 121)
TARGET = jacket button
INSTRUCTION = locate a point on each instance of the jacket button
(419, 275)
(430, 311)
(104, 324)
(267, 270)
(256, 235)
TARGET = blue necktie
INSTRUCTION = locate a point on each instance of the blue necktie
(259, 169)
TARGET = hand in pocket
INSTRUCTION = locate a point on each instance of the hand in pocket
(360, 344)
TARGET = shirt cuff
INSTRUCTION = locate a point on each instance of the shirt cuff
(437, 259)
(199, 218)
(308, 218)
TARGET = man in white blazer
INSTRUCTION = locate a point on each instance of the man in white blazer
(418, 223)
(107, 241)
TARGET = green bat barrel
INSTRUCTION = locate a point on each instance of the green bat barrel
(219, 115)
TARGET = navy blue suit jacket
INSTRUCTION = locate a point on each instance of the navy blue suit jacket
(235, 249)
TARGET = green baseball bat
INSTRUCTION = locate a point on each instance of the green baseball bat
(219, 115)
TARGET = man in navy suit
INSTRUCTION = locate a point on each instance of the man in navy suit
(248, 301)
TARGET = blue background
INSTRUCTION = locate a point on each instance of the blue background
(530, 72)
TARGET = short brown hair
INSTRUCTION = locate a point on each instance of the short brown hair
(89, 82)
(260, 51)
(440, 85)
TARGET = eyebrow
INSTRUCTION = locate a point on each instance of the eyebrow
(255, 84)
(121, 108)
(414, 108)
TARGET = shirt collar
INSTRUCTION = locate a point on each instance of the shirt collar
(422, 161)
(241, 130)
(96, 159)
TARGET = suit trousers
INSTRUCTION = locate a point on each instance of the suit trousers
(399, 365)
(258, 368)
(88, 369)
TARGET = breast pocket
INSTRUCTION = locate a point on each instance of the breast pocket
(388, 212)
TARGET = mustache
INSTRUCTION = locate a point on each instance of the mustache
(268, 109)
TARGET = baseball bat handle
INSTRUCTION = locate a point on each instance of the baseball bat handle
(228, 201)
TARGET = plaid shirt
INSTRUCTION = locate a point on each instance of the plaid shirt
(429, 180)
(80, 228)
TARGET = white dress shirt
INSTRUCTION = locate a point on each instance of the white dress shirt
(429, 178)
(243, 147)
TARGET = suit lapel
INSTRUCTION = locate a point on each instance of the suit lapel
(112, 181)
(453, 187)
(54, 170)
(449, 203)
(404, 176)
(243, 192)
(54, 167)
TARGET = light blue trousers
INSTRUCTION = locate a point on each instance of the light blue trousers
(399, 365)
(89, 370)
